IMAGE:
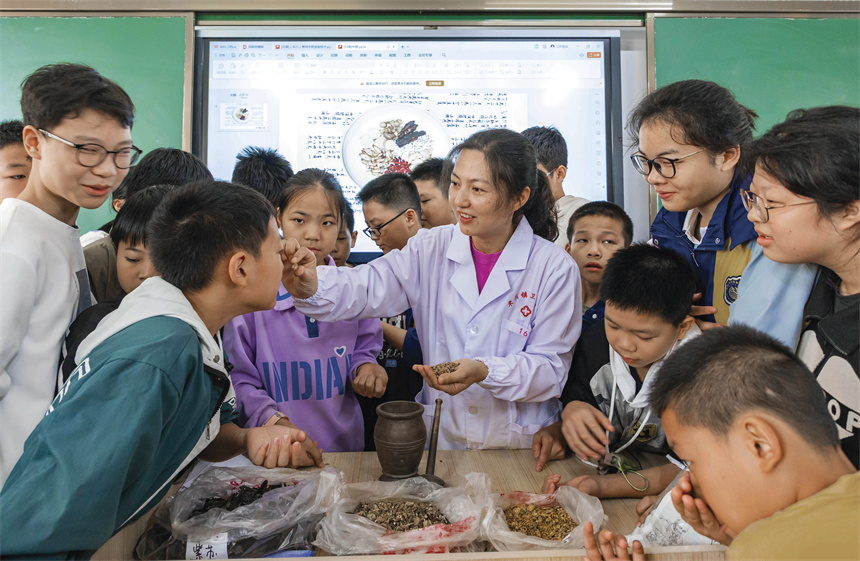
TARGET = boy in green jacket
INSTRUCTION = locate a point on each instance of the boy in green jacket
(151, 390)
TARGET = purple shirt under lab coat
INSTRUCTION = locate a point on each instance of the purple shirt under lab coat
(285, 361)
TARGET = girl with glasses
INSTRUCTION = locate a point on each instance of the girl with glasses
(804, 202)
(688, 137)
(490, 293)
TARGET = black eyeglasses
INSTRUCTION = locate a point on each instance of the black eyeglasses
(762, 206)
(91, 155)
(372, 232)
(664, 166)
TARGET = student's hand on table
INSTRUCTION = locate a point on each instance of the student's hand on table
(300, 282)
(276, 446)
(605, 548)
(548, 444)
(468, 372)
(584, 428)
(696, 311)
(370, 380)
(644, 507)
(696, 512)
(588, 484)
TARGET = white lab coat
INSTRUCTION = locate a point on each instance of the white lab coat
(523, 326)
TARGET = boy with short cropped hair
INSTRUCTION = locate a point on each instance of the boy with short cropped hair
(551, 151)
(15, 163)
(648, 293)
(162, 166)
(262, 169)
(392, 211)
(595, 232)
(133, 265)
(152, 390)
(751, 422)
(432, 177)
(78, 133)
(345, 239)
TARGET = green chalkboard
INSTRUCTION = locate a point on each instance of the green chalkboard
(772, 65)
(144, 55)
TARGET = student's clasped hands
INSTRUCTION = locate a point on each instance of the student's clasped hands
(278, 446)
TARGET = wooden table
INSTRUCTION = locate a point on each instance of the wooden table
(509, 470)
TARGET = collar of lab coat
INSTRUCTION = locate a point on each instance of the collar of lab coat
(514, 257)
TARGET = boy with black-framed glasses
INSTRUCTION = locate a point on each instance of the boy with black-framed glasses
(391, 206)
(78, 133)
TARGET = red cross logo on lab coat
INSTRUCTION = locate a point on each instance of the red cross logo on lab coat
(526, 311)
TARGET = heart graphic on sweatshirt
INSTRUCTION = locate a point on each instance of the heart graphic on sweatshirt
(339, 350)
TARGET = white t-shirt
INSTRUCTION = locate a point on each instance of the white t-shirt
(42, 279)
(565, 207)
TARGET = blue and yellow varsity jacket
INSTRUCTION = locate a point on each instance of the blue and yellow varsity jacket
(720, 259)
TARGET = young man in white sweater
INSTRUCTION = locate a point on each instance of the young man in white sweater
(78, 133)
(552, 160)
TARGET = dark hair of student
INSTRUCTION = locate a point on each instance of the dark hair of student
(134, 216)
(199, 224)
(11, 132)
(395, 191)
(649, 280)
(723, 373)
(513, 167)
(433, 170)
(814, 153)
(701, 113)
(60, 91)
(263, 169)
(162, 166)
(602, 208)
(307, 180)
(550, 146)
(348, 216)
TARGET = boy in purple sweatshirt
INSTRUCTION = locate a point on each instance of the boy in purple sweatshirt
(292, 370)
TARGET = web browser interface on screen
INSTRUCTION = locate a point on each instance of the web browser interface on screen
(362, 108)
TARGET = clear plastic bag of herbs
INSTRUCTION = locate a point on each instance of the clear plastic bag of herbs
(258, 511)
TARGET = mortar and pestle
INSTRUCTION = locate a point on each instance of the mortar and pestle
(400, 436)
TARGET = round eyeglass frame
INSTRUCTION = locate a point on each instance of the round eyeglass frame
(762, 206)
(644, 165)
(98, 150)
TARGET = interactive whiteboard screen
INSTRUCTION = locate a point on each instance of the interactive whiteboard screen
(364, 104)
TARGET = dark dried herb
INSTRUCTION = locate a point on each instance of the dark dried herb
(409, 133)
(401, 515)
(245, 495)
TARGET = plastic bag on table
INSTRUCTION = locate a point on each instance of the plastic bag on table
(283, 518)
(664, 526)
(580, 507)
(343, 533)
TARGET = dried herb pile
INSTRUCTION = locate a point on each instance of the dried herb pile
(545, 522)
(401, 515)
(444, 368)
(245, 495)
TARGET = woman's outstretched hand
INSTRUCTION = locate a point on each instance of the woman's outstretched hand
(300, 270)
(468, 372)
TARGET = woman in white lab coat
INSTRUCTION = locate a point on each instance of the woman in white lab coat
(511, 331)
